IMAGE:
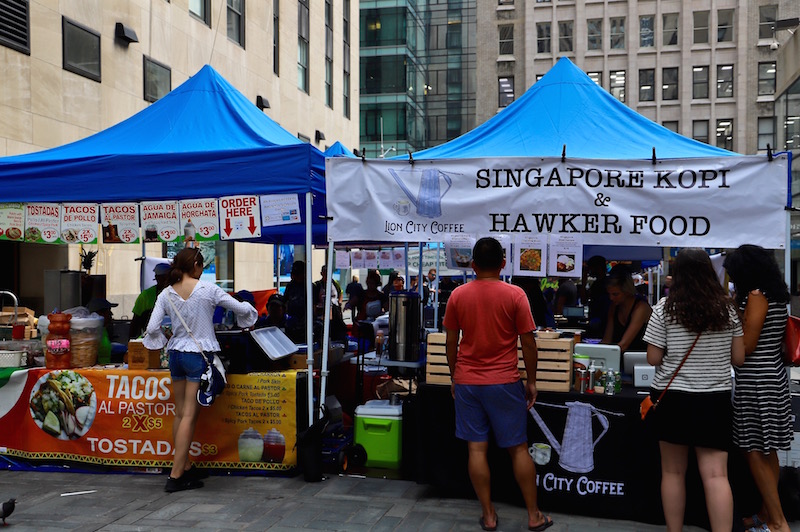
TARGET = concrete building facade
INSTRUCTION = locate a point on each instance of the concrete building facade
(71, 68)
(705, 68)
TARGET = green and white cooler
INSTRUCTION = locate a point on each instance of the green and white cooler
(379, 429)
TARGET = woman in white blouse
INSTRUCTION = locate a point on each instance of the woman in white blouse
(195, 300)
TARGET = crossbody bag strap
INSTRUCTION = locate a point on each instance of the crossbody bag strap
(183, 322)
(677, 369)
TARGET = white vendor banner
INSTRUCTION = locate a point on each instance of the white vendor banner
(79, 223)
(704, 202)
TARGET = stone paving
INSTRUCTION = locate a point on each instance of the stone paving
(137, 502)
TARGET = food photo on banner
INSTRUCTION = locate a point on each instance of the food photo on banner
(118, 417)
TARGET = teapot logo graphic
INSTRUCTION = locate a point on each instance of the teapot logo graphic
(428, 201)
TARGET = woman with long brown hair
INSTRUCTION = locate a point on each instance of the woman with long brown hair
(698, 318)
(761, 401)
(195, 300)
(627, 313)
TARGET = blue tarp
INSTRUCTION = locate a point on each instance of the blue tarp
(566, 107)
(339, 150)
(202, 140)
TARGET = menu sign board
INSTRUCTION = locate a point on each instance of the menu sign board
(199, 220)
(12, 221)
(239, 217)
(566, 256)
(530, 255)
(120, 223)
(79, 223)
(42, 222)
(280, 209)
(160, 221)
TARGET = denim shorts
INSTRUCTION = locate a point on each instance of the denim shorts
(501, 407)
(184, 365)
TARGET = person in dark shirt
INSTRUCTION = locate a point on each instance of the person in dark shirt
(295, 297)
(597, 297)
(533, 289)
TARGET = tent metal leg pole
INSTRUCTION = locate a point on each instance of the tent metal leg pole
(309, 314)
(326, 335)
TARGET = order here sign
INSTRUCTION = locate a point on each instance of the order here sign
(240, 217)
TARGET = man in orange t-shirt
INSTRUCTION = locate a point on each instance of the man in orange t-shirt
(487, 390)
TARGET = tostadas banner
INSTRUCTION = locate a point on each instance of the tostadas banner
(124, 418)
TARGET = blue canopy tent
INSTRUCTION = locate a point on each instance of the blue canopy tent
(203, 139)
(338, 150)
(567, 108)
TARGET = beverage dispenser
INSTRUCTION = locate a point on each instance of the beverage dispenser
(404, 326)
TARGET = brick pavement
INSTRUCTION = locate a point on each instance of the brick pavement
(137, 502)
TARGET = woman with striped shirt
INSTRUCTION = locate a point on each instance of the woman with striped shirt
(761, 401)
(695, 411)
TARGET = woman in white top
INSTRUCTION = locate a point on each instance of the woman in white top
(195, 300)
(696, 409)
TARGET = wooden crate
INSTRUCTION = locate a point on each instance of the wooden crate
(436, 370)
(139, 357)
(554, 367)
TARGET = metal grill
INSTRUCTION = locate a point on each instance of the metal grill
(14, 24)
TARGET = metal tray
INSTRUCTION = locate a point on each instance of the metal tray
(273, 342)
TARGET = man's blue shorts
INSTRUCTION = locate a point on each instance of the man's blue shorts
(184, 365)
(501, 407)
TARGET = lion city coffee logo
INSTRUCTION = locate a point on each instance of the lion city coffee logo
(240, 217)
(427, 202)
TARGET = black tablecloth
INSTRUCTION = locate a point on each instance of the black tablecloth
(613, 473)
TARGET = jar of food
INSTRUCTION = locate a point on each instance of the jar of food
(274, 447)
(251, 446)
(58, 354)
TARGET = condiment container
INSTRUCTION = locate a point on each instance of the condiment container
(57, 353)
(274, 447)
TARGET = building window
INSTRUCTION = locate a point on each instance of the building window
(766, 132)
(506, 39)
(15, 25)
(725, 25)
(236, 21)
(700, 130)
(616, 84)
(701, 27)
(724, 81)
(505, 2)
(669, 83)
(670, 29)
(766, 78)
(81, 49)
(767, 15)
(303, 138)
(647, 31)
(505, 91)
(302, 45)
(201, 9)
(672, 125)
(453, 34)
(565, 36)
(276, 37)
(699, 82)
(647, 82)
(597, 77)
(346, 58)
(725, 134)
(594, 28)
(543, 38)
(617, 33)
(157, 80)
(329, 53)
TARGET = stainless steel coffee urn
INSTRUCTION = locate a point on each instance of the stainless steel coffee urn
(404, 326)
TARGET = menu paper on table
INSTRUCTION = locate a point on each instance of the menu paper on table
(42, 222)
(199, 220)
(239, 217)
(12, 221)
(565, 256)
(280, 209)
(120, 223)
(458, 251)
(530, 255)
(79, 223)
(160, 221)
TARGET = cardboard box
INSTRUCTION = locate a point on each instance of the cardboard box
(139, 357)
